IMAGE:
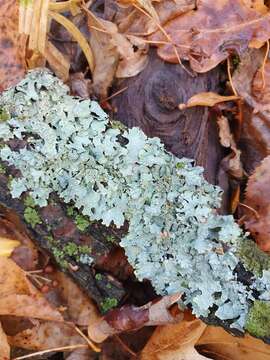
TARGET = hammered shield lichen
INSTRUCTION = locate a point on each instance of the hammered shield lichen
(176, 239)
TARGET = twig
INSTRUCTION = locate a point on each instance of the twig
(90, 343)
(251, 209)
(230, 76)
(264, 63)
(116, 93)
(63, 348)
(124, 345)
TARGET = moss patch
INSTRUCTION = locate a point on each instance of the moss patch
(108, 304)
(32, 217)
(254, 259)
(258, 321)
(82, 222)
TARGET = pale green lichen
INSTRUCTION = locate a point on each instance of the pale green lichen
(175, 238)
(258, 320)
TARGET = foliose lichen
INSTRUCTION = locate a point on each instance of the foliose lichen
(176, 239)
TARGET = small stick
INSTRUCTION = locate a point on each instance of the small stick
(90, 343)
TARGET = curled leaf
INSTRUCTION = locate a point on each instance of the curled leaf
(130, 317)
(206, 99)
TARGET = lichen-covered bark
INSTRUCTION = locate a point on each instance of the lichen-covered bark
(64, 238)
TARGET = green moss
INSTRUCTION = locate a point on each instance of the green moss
(70, 210)
(254, 259)
(82, 222)
(108, 304)
(258, 321)
(98, 277)
(4, 115)
(59, 257)
(29, 201)
(2, 169)
(32, 217)
(111, 238)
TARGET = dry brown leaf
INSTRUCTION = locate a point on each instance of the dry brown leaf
(80, 308)
(221, 345)
(114, 54)
(105, 54)
(12, 45)
(207, 35)
(19, 297)
(175, 342)
(46, 335)
(4, 345)
(206, 99)
(129, 318)
(59, 64)
(257, 216)
(257, 5)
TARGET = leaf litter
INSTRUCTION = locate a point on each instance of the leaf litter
(204, 33)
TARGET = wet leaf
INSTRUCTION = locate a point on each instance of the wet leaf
(175, 342)
(129, 317)
(207, 35)
(19, 297)
(257, 215)
(12, 45)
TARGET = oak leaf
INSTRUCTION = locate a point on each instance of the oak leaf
(173, 342)
(18, 297)
(206, 36)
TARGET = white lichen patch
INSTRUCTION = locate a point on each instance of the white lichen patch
(176, 239)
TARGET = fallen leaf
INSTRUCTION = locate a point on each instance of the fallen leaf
(7, 246)
(138, 23)
(206, 99)
(208, 35)
(175, 342)
(105, 54)
(232, 162)
(129, 317)
(46, 335)
(255, 134)
(12, 45)
(19, 297)
(257, 214)
(220, 345)
(257, 5)
(115, 53)
(4, 345)
(80, 309)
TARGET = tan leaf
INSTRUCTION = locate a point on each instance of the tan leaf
(80, 308)
(206, 99)
(175, 342)
(220, 345)
(207, 35)
(19, 297)
(4, 345)
(7, 246)
(257, 214)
